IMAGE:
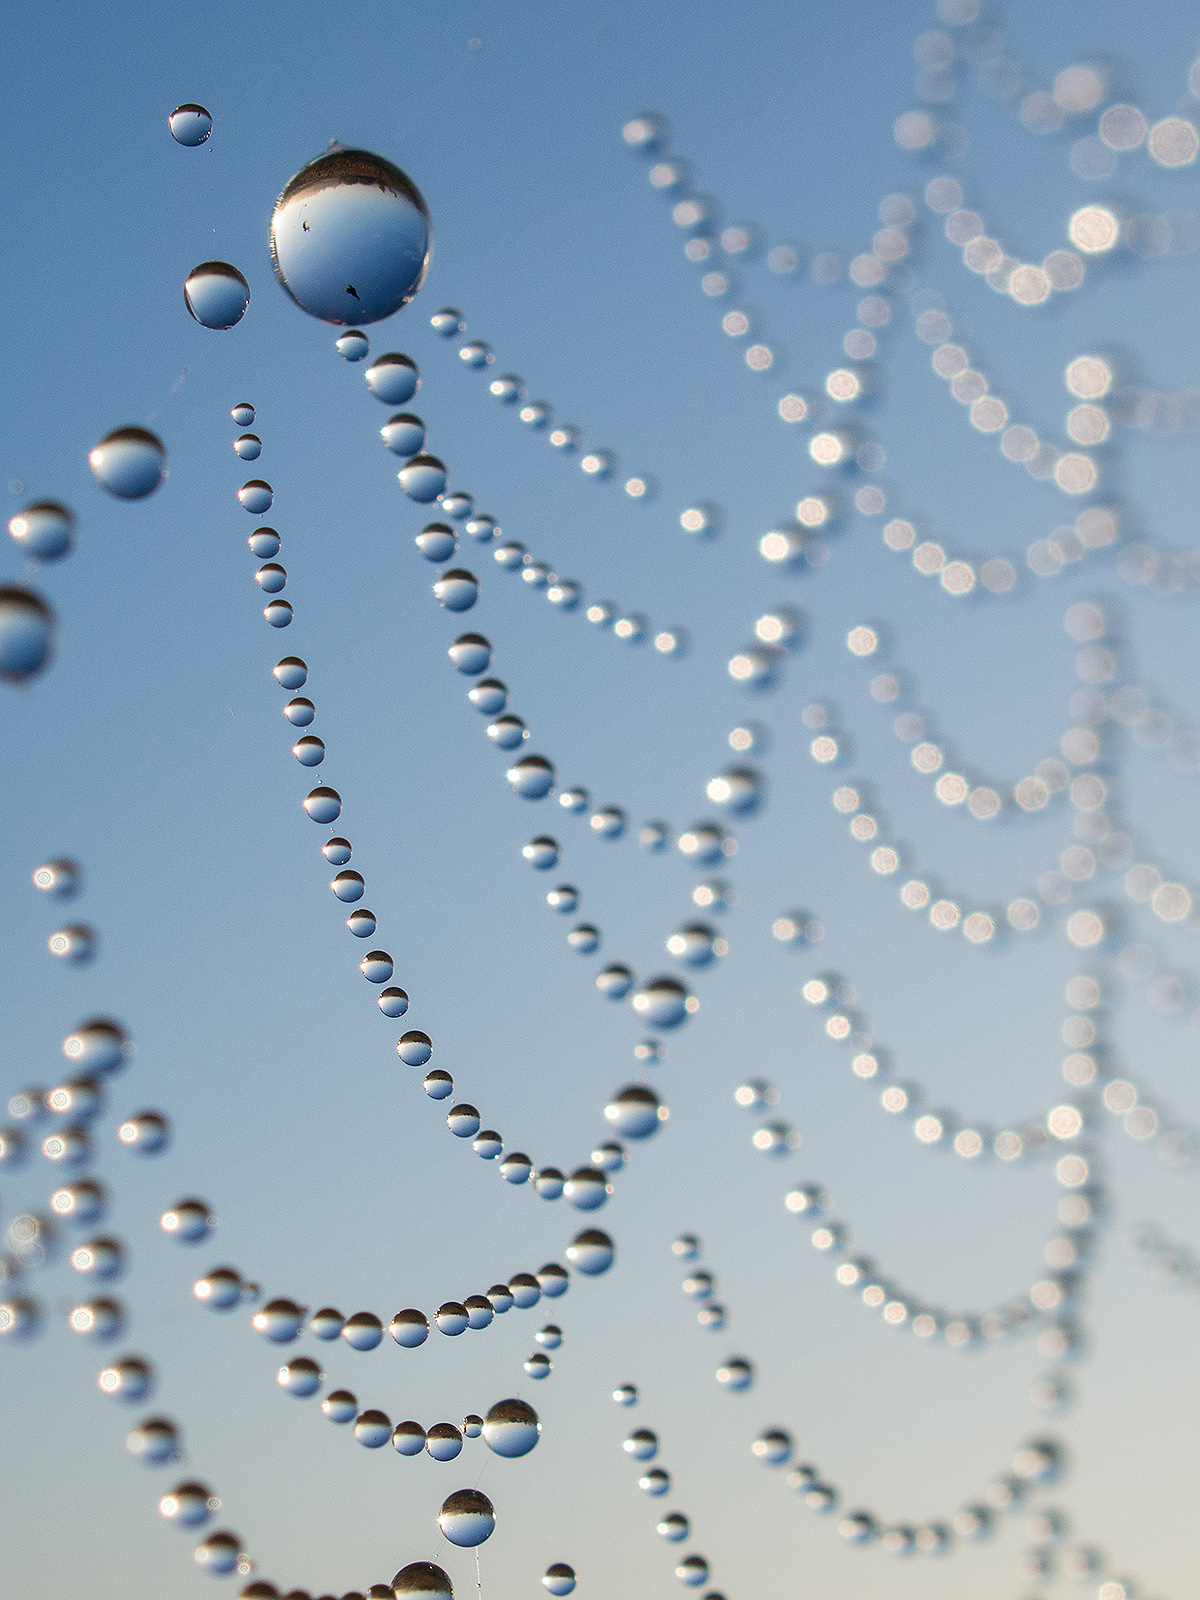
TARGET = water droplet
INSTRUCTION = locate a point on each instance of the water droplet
(348, 886)
(248, 446)
(264, 543)
(190, 124)
(421, 1580)
(532, 777)
(674, 1527)
(376, 966)
(243, 413)
(336, 851)
(471, 654)
(128, 462)
(323, 805)
(271, 578)
(279, 1321)
(463, 1121)
(186, 1505)
(511, 1428)
(216, 294)
(507, 732)
(404, 434)
(61, 879)
(585, 939)
(642, 1445)
(591, 1252)
(458, 504)
(559, 1579)
(188, 1221)
(476, 353)
(393, 378)
(153, 1441)
(655, 1482)
(423, 479)
(773, 1447)
(148, 1132)
(408, 1438)
(393, 1002)
(415, 1049)
(373, 1429)
(626, 1394)
(541, 853)
(694, 944)
(550, 1336)
(340, 1406)
(615, 982)
(452, 1318)
(467, 1518)
(539, 1365)
(129, 1378)
(635, 1112)
(350, 238)
(448, 322)
(44, 530)
(438, 1085)
(362, 1331)
(97, 1046)
(352, 346)
(736, 1374)
(301, 1377)
(663, 1002)
(76, 943)
(587, 1188)
(290, 673)
(507, 388)
(457, 589)
(256, 496)
(536, 414)
(554, 1280)
(278, 613)
(443, 1442)
(309, 752)
(692, 1570)
(409, 1328)
(482, 528)
(326, 1323)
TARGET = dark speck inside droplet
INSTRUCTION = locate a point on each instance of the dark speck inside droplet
(350, 289)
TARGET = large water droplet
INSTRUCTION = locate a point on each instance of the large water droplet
(216, 294)
(393, 378)
(634, 1111)
(471, 654)
(190, 124)
(26, 633)
(511, 1428)
(591, 1252)
(44, 530)
(532, 777)
(129, 462)
(436, 542)
(457, 590)
(350, 238)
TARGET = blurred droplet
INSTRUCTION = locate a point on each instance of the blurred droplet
(44, 529)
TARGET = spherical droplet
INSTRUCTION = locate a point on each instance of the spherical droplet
(188, 1221)
(309, 752)
(393, 1002)
(186, 1505)
(350, 238)
(340, 1406)
(26, 633)
(511, 1428)
(97, 1045)
(422, 1580)
(326, 1323)
(59, 878)
(448, 322)
(129, 1379)
(443, 1442)
(153, 1441)
(415, 1048)
(409, 1328)
(279, 1321)
(248, 447)
(393, 378)
(642, 1444)
(128, 462)
(591, 1252)
(44, 530)
(148, 1132)
(662, 1003)
(457, 590)
(542, 853)
(403, 434)
(532, 777)
(190, 124)
(243, 413)
(256, 496)
(373, 1429)
(471, 654)
(635, 1111)
(216, 294)
(438, 1085)
(362, 1331)
(301, 1377)
(220, 1289)
(463, 1121)
(290, 673)
(352, 346)
(626, 1395)
(323, 805)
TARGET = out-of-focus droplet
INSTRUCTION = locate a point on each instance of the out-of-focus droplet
(279, 1321)
(507, 732)
(59, 878)
(220, 1289)
(216, 294)
(448, 322)
(188, 1221)
(76, 944)
(541, 853)
(352, 346)
(129, 1379)
(422, 1580)
(692, 1570)
(481, 527)
(148, 1132)
(532, 777)
(423, 479)
(249, 447)
(404, 434)
(662, 1003)
(476, 353)
(471, 654)
(615, 982)
(186, 1505)
(736, 1374)
(326, 1323)
(635, 1112)
(153, 1441)
(393, 378)
(97, 1045)
(656, 1482)
(458, 504)
(256, 496)
(190, 124)
(243, 413)
(350, 238)
(323, 805)
(641, 1444)
(591, 1252)
(511, 1428)
(83, 1201)
(626, 1395)
(409, 1328)
(457, 590)
(44, 529)
(129, 462)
